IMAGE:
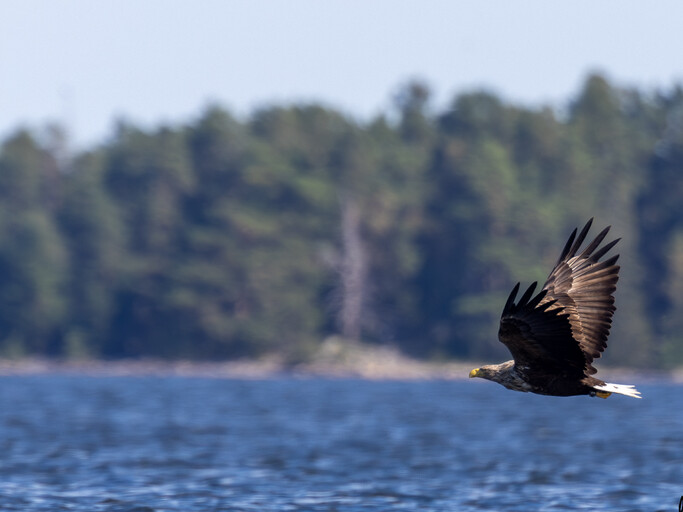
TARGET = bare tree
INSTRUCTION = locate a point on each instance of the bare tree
(353, 269)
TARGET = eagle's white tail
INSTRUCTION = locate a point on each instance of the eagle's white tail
(622, 389)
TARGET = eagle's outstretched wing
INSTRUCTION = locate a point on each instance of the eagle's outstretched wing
(565, 326)
(539, 336)
(583, 286)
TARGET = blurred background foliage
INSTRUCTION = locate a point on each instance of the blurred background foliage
(228, 238)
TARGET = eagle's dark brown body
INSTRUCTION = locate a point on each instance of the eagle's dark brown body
(555, 335)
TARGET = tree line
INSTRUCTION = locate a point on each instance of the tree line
(227, 237)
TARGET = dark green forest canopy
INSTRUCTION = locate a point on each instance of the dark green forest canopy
(230, 237)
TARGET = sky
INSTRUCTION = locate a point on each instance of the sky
(86, 63)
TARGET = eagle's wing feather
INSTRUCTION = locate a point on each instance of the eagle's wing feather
(565, 326)
(583, 287)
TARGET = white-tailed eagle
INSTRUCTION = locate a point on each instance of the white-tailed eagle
(555, 336)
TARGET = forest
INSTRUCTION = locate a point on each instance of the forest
(230, 237)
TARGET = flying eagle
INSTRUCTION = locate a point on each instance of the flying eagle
(555, 335)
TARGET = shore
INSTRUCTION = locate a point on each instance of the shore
(334, 359)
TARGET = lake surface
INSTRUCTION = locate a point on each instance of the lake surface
(183, 444)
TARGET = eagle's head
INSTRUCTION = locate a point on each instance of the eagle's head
(502, 373)
(488, 372)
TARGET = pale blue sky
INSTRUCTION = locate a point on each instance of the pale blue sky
(87, 62)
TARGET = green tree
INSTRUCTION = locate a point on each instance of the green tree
(94, 235)
(32, 255)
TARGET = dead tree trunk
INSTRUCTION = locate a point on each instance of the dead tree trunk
(353, 270)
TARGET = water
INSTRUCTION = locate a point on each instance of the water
(167, 444)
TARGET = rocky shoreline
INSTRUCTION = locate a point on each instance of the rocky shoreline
(334, 359)
(391, 368)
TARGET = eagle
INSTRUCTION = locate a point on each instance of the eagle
(555, 335)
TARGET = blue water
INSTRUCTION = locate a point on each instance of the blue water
(167, 444)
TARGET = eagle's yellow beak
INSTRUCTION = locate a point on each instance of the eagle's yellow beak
(474, 372)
